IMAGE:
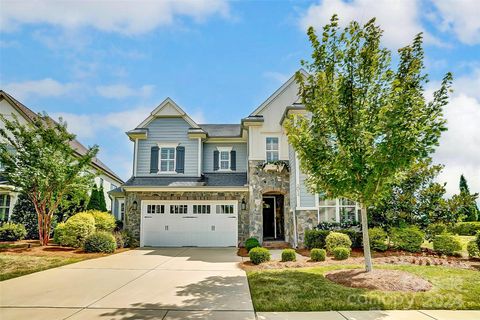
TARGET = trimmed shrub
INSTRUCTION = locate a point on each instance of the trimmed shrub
(77, 228)
(58, 233)
(104, 221)
(100, 241)
(355, 236)
(473, 250)
(434, 229)
(446, 244)
(341, 253)
(318, 254)
(119, 240)
(466, 228)
(337, 239)
(288, 255)
(24, 213)
(409, 239)
(251, 243)
(315, 238)
(258, 255)
(378, 239)
(478, 239)
(12, 232)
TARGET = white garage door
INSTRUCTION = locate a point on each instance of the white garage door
(189, 223)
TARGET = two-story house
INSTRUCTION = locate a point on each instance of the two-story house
(218, 184)
(10, 107)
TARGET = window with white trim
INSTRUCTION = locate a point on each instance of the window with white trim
(4, 206)
(337, 210)
(167, 159)
(224, 160)
(201, 209)
(178, 209)
(225, 208)
(155, 208)
(272, 149)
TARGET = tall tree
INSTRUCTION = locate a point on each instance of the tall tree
(43, 165)
(366, 123)
(468, 206)
(101, 198)
(94, 201)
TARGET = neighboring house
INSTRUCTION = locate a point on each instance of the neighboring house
(218, 184)
(8, 193)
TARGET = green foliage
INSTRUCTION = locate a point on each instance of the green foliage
(446, 244)
(409, 239)
(466, 228)
(128, 240)
(473, 249)
(336, 239)
(478, 239)
(24, 213)
(355, 236)
(43, 164)
(468, 209)
(258, 255)
(315, 238)
(288, 255)
(58, 233)
(434, 229)
(119, 240)
(104, 221)
(101, 197)
(251, 243)
(12, 231)
(318, 254)
(77, 229)
(94, 201)
(100, 241)
(378, 239)
(341, 253)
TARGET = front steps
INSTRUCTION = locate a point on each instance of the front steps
(274, 244)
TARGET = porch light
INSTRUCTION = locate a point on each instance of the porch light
(244, 204)
(134, 205)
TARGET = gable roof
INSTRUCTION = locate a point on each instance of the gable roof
(75, 144)
(168, 108)
(277, 92)
(222, 130)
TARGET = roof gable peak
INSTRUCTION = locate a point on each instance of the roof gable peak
(168, 108)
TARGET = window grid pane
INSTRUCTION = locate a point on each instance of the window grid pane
(179, 209)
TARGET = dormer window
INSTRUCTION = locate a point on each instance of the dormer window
(167, 159)
(225, 160)
(272, 149)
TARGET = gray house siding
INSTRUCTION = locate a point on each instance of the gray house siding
(293, 172)
(168, 130)
(241, 151)
(307, 199)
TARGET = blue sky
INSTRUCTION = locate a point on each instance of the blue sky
(104, 66)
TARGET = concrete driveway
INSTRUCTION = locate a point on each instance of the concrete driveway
(155, 283)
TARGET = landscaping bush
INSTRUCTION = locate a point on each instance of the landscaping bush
(104, 221)
(409, 239)
(58, 233)
(100, 241)
(118, 226)
(336, 239)
(473, 250)
(119, 240)
(315, 238)
(341, 253)
(435, 229)
(288, 255)
(77, 228)
(378, 239)
(318, 254)
(446, 244)
(12, 232)
(251, 243)
(355, 236)
(466, 228)
(24, 213)
(478, 239)
(258, 255)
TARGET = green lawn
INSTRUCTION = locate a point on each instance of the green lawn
(464, 240)
(307, 289)
(12, 266)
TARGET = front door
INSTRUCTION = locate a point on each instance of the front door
(268, 218)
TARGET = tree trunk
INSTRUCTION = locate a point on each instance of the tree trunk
(366, 239)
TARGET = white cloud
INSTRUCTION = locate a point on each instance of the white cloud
(125, 17)
(121, 91)
(459, 17)
(41, 88)
(400, 20)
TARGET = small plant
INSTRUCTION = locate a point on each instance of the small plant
(12, 232)
(473, 250)
(409, 238)
(288, 255)
(355, 236)
(315, 238)
(77, 228)
(434, 229)
(100, 241)
(119, 240)
(318, 254)
(104, 221)
(446, 244)
(341, 253)
(58, 232)
(478, 239)
(251, 243)
(336, 239)
(259, 255)
(378, 239)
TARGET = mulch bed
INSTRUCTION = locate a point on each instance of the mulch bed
(378, 279)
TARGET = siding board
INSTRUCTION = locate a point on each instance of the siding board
(239, 148)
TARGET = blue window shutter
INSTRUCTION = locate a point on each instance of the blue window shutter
(154, 159)
(215, 160)
(233, 160)
(180, 165)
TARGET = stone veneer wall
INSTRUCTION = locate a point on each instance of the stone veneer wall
(306, 220)
(132, 217)
(261, 182)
